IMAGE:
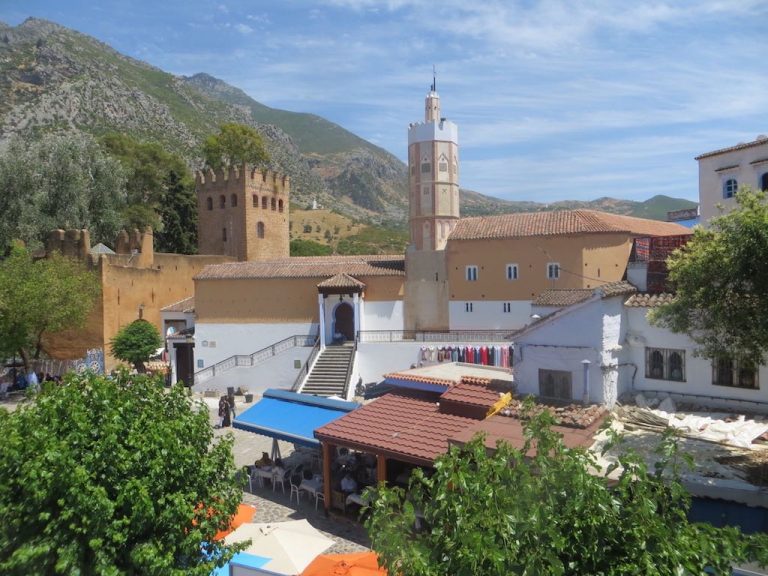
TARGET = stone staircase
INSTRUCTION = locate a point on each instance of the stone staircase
(329, 374)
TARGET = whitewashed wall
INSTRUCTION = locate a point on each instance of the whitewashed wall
(376, 359)
(386, 315)
(698, 371)
(488, 315)
(216, 342)
(588, 331)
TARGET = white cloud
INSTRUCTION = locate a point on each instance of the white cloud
(243, 28)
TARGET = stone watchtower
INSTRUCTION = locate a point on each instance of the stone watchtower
(243, 213)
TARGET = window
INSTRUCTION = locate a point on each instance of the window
(425, 189)
(426, 167)
(273, 204)
(555, 384)
(224, 234)
(553, 270)
(728, 372)
(763, 184)
(264, 201)
(209, 203)
(233, 200)
(511, 271)
(255, 201)
(507, 307)
(471, 273)
(222, 201)
(467, 306)
(665, 364)
(260, 230)
(729, 187)
(279, 205)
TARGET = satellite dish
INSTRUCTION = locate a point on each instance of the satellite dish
(170, 332)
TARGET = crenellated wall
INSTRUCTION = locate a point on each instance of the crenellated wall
(243, 213)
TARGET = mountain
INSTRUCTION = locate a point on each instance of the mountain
(53, 78)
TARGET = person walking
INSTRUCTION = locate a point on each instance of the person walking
(223, 411)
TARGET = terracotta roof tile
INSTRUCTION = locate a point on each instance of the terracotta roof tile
(341, 281)
(470, 394)
(402, 425)
(559, 223)
(308, 267)
(741, 146)
(649, 300)
(186, 305)
(570, 296)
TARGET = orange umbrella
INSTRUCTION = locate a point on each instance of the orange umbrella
(244, 514)
(359, 564)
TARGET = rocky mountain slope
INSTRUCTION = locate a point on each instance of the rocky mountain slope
(54, 78)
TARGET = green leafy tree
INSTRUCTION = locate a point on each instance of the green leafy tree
(136, 342)
(59, 181)
(721, 284)
(160, 192)
(235, 145)
(301, 247)
(113, 476)
(39, 297)
(548, 514)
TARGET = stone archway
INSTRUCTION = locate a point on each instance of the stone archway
(344, 320)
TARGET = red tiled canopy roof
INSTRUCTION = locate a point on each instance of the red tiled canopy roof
(342, 281)
(186, 305)
(559, 223)
(649, 300)
(471, 395)
(308, 267)
(406, 426)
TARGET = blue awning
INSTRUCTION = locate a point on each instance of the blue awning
(291, 417)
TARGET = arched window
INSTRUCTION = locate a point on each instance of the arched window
(274, 204)
(279, 205)
(260, 230)
(222, 201)
(255, 201)
(233, 200)
(764, 182)
(263, 202)
(209, 203)
(729, 187)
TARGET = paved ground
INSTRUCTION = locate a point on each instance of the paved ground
(272, 505)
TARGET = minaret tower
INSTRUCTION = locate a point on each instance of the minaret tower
(433, 166)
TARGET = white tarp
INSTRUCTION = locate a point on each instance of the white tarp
(291, 546)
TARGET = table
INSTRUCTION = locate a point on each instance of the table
(357, 498)
(312, 486)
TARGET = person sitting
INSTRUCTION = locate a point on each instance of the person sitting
(264, 461)
(348, 483)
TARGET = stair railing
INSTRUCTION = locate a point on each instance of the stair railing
(307, 367)
(349, 368)
(256, 357)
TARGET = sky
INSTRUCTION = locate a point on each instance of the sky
(554, 99)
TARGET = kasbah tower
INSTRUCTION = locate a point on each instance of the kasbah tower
(243, 213)
(433, 177)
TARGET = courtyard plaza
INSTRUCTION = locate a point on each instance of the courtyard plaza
(274, 505)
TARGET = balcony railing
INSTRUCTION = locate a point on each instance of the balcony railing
(369, 336)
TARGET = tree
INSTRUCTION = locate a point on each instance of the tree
(505, 514)
(234, 145)
(113, 476)
(721, 284)
(59, 181)
(38, 297)
(160, 192)
(301, 247)
(136, 342)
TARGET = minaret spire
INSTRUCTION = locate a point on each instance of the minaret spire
(434, 79)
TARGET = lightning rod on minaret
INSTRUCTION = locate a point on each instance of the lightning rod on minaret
(434, 79)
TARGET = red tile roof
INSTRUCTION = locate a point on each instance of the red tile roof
(470, 394)
(510, 430)
(760, 140)
(559, 223)
(308, 267)
(341, 281)
(405, 426)
(570, 296)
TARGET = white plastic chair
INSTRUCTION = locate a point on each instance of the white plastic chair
(278, 477)
(294, 490)
(319, 495)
